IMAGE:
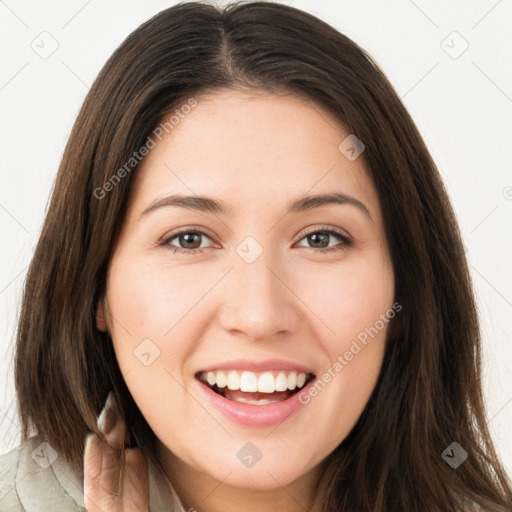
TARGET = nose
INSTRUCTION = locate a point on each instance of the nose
(257, 300)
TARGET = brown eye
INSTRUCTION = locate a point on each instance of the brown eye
(187, 241)
(319, 240)
(190, 241)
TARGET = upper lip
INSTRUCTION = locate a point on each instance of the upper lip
(258, 366)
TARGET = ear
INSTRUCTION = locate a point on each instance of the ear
(101, 320)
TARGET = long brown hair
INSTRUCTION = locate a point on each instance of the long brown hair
(428, 393)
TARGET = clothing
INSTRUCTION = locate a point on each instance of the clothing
(29, 483)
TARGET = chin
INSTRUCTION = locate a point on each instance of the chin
(276, 471)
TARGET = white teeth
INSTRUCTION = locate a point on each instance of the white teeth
(263, 401)
(233, 380)
(281, 382)
(220, 379)
(292, 381)
(250, 382)
(266, 383)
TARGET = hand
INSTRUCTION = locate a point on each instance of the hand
(115, 477)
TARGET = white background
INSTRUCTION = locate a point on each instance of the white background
(461, 105)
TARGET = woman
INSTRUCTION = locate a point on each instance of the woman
(251, 258)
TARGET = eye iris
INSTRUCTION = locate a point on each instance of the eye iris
(188, 240)
(319, 237)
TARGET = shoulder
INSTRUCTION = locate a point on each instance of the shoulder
(34, 478)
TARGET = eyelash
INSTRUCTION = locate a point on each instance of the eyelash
(346, 240)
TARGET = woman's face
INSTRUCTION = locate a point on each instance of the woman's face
(253, 293)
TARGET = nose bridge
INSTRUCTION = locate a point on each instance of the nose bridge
(255, 299)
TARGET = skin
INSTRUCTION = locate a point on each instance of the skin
(256, 152)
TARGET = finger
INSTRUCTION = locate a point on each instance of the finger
(112, 425)
(103, 456)
(102, 472)
(135, 487)
(114, 483)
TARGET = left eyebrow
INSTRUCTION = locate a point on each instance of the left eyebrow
(316, 201)
(208, 204)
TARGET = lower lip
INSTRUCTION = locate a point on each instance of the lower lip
(255, 415)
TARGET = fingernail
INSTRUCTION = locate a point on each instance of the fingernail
(90, 446)
(88, 439)
(104, 425)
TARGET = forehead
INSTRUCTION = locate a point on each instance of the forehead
(252, 147)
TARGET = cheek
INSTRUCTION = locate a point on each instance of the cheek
(356, 304)
(150, 300)
(349, 301)
(152, 310)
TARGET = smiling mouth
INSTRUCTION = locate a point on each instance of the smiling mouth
(255, 388)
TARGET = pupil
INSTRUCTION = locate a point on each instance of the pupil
(186, 237)
(325, 237)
